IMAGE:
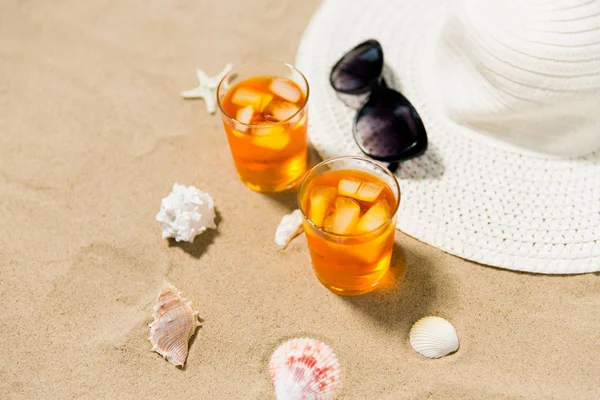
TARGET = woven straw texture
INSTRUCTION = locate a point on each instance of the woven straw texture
(496, 202)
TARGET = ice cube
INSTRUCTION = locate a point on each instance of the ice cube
(265, 101)
(345, 216)
(369, 191)
(270, 137)
(280, 110)
(244, 115)
(371, 251)
(348, 187)
(265, 129)
(284, 89)
(246, 97)
(321, 199)
(365, 191)
(277, 142)
(239, 132)
(376, 216)
(328, 223)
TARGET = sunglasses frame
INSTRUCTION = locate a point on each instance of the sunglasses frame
(373, 82)
(375, 86)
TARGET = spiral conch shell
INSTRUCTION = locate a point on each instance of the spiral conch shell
(174, 324)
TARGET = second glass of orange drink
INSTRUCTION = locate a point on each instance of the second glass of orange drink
(349, 207)
(265, 114)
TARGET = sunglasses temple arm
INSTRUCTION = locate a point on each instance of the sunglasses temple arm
(392, 167)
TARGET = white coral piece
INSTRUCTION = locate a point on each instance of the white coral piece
(185, 213)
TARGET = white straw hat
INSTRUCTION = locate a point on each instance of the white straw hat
(509, 92)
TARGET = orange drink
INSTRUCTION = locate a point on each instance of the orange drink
(264, 112)
(349, 206)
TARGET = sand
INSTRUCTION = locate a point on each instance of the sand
(93, 134)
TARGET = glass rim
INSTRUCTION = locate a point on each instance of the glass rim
(282, 122)
(359, 158)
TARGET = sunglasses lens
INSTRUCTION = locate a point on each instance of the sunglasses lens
(388, 127)
(358, 69)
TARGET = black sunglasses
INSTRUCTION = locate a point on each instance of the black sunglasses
(387, 127)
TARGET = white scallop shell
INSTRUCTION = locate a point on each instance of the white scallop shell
(433, 337)
(304, 369)
(174, 324)
(289, 227)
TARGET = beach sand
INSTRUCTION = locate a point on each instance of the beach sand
(93, 134)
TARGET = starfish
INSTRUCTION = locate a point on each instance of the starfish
(207, 88)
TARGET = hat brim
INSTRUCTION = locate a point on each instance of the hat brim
(469, 195)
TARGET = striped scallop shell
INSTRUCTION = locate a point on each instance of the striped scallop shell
(433, 337)
(304, 369)
(174, 324)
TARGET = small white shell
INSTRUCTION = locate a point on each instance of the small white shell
(185, 213)
(289, 227)
(433, 337)
(304, 369)
(174, 324)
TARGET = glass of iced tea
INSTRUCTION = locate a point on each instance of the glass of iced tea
(349, 206)
(265, 114)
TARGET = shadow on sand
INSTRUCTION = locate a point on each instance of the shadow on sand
(405, 295)
(201, 242)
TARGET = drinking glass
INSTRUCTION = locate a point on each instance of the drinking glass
(264, 111)
(349, 207)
